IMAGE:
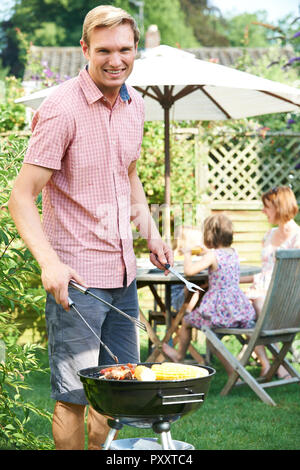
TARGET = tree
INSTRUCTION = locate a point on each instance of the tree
(286, 32)
(204, 19)
(171, 21)
(276, 67)
(59, 23)
(241, 30)
(45, 23)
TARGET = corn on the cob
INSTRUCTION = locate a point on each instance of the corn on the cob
(144, 373)
(174, 371)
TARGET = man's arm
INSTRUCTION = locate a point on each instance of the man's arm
(145, 222)
(55, 274)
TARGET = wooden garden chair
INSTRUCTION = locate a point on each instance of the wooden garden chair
(279, 322)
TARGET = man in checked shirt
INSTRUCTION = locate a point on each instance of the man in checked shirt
(86, 138)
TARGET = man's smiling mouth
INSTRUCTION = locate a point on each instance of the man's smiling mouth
(114, 72)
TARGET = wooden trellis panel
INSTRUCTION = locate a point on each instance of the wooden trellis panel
(241, 169)
(236, 170)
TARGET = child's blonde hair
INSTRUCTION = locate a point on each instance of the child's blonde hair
(218, 231)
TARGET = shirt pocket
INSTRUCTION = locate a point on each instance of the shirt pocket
(84, 171)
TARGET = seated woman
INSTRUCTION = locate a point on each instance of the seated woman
(280, 207)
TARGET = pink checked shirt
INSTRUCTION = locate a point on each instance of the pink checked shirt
(86, 203)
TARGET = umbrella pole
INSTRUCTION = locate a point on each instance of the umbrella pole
(167, 228)
(167, 158)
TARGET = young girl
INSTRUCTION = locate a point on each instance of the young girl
(224, 304)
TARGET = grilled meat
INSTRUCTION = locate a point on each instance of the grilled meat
(118, 372)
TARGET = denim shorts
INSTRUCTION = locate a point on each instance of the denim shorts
(72, 346)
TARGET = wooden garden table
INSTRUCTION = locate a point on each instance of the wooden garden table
(152, 278)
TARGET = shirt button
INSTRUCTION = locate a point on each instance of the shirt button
(36, 160)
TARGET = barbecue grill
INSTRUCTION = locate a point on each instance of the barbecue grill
(144, 404)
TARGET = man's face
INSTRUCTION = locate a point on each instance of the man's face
(111, 56)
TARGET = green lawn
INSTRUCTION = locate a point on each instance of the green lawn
(238, 421)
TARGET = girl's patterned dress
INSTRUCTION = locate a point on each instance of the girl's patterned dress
(262, 280)
(224, 304)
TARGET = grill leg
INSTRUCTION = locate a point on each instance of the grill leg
(115, 426)
(109, 439)
(166, 441)
(163, 429)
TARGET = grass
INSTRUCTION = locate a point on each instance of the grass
(239, 421)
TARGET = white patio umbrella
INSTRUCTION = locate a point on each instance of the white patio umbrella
(177, 86)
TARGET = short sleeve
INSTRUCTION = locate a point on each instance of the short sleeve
(295, 242)
(51, 135)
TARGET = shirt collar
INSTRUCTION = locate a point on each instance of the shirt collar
(124, 94)
(92, 92)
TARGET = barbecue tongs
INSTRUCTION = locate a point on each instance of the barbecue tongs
(86, 291)
(72, 305)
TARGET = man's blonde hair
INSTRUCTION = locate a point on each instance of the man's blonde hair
(109, 17)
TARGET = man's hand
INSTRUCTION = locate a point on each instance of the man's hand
(160, 254)
(56, 278)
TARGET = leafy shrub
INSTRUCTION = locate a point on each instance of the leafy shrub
(151, 165)
(17, 270)
(12, 115)
(15, 412)
(151, 170)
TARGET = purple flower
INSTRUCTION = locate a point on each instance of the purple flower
(293, 59)
(291, 121)
(296, 35)
(48, 73)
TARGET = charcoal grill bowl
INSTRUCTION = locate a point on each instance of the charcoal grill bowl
(141, 404)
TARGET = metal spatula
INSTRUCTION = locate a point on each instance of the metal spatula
(189, 285)
(86, 291)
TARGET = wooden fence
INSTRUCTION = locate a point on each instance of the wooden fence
(235, 169)
(249, 224)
